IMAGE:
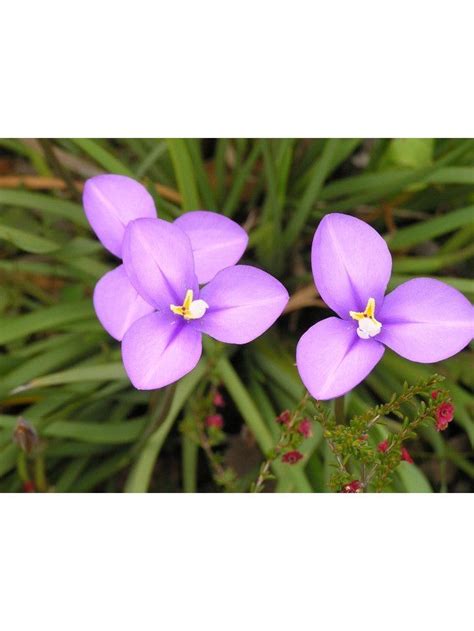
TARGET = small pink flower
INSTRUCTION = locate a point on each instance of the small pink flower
(383, 448)
(284, 418)
(215, 420)
(305, 429)
(292, 457)
(353, 487)
(434, 394)
(444, 415)
(406, 456)
(218, 400)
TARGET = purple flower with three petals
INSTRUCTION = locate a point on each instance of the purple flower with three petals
(154, 302)
(423, 319)
(110, 203)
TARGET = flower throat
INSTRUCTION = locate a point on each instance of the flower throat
(190, 309)
(368, 326)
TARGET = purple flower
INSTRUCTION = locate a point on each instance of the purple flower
(154, 303)
(423, 319)
(110, 203)
(236, 306)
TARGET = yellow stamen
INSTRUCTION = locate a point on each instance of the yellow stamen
(184, 309)
(368, 313)
(188, 300)
(190, 309)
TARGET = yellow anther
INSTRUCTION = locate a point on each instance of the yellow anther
(368, 325)
(370, 308)
(368, 313)
(190, 309)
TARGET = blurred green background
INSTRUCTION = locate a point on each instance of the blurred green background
(62, 373)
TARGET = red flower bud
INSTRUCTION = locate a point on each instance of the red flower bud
(406, 456)
(444, 415)
(215, 420)
(434, 394)
(218, 400)
(29, 486)
(353, 487)
(292, 457)
(305, 429)
(383, 446)
(284, 418)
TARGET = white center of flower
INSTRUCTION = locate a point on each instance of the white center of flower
(368, 326)
(197, 309)
(190, 309)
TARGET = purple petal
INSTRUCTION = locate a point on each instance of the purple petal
(159, 262)
(217, 241)
(110, 202)
(351, 263)
(332, 360)
(426, 321)
(117, 303)
(243, 303)
(159, 349)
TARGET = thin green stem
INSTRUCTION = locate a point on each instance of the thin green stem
(339, 410)
(41, 482)
(190, 451)
(157, 416)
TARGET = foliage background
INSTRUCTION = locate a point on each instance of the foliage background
(62, 372)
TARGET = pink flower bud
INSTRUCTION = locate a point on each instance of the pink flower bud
(353, 487)
(292, 457)
(383, 446)
(218, 400)
(406, 456)
(284, 418)
(215, 420)
(305, 429)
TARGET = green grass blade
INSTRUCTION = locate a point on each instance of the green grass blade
(184, 172)
(45, 204)
(27, 241)
(190, 452)
(318, 175)
(240, 179)
(107, 160)
(49, 318)
(426, 265)
(425, 230)
(204, 186)
(104, 372)
(412, 478)
(139, 478)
